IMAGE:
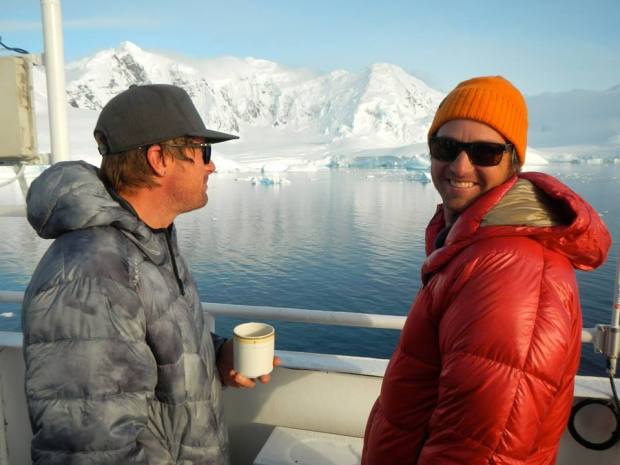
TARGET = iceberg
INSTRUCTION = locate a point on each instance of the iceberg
(266, 180)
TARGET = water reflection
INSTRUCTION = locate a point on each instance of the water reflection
(350, 240)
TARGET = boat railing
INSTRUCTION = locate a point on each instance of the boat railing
(312, 367)
(298, 315)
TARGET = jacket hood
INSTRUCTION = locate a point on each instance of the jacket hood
(70, 196)
(535, 205)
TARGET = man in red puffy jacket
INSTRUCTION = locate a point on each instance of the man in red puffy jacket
(484, 370)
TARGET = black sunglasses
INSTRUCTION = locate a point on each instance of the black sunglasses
(206, 149)
(479, 153)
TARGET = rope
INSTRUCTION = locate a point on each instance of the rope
(613, 405)
(13, 49)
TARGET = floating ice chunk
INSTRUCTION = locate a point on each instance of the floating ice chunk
(381, 161)
(420, 176)
(270, 180)
(266, 180)
(7, 314)
(392, 175)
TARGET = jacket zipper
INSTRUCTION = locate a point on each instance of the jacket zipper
(174, 262)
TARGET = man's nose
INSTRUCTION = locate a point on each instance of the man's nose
(462, 163)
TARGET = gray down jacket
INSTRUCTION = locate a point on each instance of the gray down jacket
(120, 365)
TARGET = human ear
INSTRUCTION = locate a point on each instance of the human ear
(157, 160)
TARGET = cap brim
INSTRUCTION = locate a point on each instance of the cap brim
(213, 137)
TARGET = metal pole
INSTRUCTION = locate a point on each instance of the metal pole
(4, 455)
(55, 74)
(615, 317)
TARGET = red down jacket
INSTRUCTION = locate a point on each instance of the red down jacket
(484, 369)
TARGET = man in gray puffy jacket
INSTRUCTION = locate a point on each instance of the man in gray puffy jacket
(120, 365)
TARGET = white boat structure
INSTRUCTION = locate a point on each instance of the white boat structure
(314, 410)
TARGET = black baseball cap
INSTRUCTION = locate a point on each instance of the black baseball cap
(144, 115)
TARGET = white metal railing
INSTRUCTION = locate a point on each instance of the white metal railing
(360, 320)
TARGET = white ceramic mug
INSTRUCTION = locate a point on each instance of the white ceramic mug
(254, 345)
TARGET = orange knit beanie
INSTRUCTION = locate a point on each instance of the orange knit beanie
(491, 100)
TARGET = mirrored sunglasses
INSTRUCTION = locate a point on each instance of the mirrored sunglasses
(479, 153)
(205, 146)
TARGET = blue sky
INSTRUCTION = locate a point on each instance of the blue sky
(542, 46)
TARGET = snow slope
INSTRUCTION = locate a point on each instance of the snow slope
(294, 119)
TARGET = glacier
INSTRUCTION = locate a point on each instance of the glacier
(288, 119)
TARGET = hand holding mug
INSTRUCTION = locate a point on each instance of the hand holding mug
(248, 355)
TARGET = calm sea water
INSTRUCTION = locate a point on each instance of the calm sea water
(348, 240)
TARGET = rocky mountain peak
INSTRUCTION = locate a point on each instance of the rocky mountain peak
(383, 100)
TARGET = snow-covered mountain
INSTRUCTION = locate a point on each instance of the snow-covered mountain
(383, 103)
(294, 119)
